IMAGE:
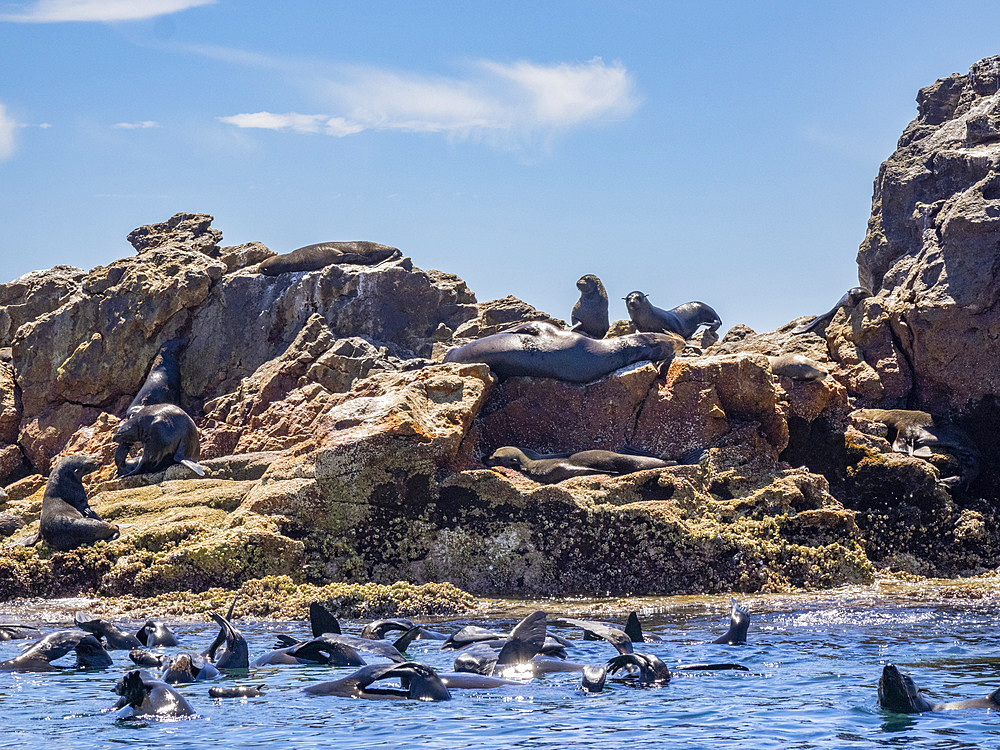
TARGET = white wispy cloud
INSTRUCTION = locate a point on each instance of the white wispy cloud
(7, 127)
(136, 125)
(105, 11)
(497, 101)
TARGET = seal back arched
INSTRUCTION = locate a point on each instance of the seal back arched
(682, 320)
(168, 436)
(163, 383)
(540, 349)
(323, 254)
(851, 298)
(590, 313)
(67, 520)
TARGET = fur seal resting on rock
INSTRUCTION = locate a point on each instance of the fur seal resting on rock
(144, 695)
(168, 436)
(163, 383)
(555, 467)
(323, 254)
(539, 349)
(67, 520)
(897, 692)
(919, 434)
(590, 313)
(682, 320)
(852, 297)
(796, 367)
(418, 682)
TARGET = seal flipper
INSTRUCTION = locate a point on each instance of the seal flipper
(525, 640)
(322, 620)
(403, 642)
(633, 629)
(180, 456)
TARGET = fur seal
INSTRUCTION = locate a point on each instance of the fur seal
(539, 349)
(852, 297)
(15, 631)
(919, 434)
(38, 656)
(229, 650)
(384, 649)
(739, 623)
(322, 650)
(323, 254)
(143, 658)
(155, 633)
(243, 691)
(796, 367)
(555, 467)
(418, 682)
(144, 695)
(590, 313)
(377, 630)
(897, 692)
(163, 383)
(598, 630)
(168, 436)
(67, 520)
(185, 667)
(682, 320)
(115, 638)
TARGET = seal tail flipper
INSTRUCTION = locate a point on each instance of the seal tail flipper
(403, 642)
(284, 641)
(691, 457)
(322, 620)
(196, 467)
(633, 629)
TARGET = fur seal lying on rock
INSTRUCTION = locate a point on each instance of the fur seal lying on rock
(67, 520)
(542, 350)
(682, 320)
(796, 367)
(549, 468)
(168, 436)
(590, 313)
(323, 254)
(897, 692)
(919, 434)
(852, 297)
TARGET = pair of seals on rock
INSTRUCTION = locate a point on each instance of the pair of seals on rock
(549, 468)
(540, 349)
(919, 434)
(897, 692)
(590, 313)
(851, 298)
(682, 320)
(323, 254)
(67, 520)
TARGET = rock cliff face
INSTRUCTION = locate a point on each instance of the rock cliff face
(339, 448)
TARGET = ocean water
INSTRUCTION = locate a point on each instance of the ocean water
(814, 667)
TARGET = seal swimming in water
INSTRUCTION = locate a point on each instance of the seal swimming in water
(897, 692)
(168, 436)
(682, 320)
(919, 434)
(163, 383)
(377, 630)
(321, 650)
(323, 254)
(229, 650)
(418, 682)
(590, 313)
(539, 349)
(796, 367)
(555, 467)
(144, 695)
(67, 520)
(243, 691)
(852, 297)
(115, 638)
(38, 656)
(739, 623)
(155, 633)
(185, 667)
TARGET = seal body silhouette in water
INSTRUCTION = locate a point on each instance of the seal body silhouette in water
(590, 313)
(168, 436)
(163, 383)
(323, 254)
(682, 320)
(851, 298)
(418, 682)
(542, 350)
(555, 467)
(67, 520)
(739, 623)
(897, 692)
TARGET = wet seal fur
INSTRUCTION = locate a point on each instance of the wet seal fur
(739, 623)
(851, 298)
(163, 383)
(919, 434)
(549, 468)
(682, 320)
(542, 350)
(67, 520)
(38, 656)
(897, 692)
(144, 695)
(323, 254)
(168, 436)
(418, 682)
(590, 313)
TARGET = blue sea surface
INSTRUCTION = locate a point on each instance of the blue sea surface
(814, 671)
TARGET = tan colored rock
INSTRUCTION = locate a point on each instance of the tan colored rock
(182, 231)
(34, 295)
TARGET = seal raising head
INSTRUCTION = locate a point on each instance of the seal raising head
(590, 313)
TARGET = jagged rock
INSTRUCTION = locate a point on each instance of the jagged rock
(492, 317)
(10, 413)
(35, 294)
(191, 232)
(241, 256)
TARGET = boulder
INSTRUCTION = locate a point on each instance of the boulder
(35, 294)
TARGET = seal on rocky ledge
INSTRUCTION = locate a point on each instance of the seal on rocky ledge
(796, 367)
(163, 383)
(540, 349)
(549, 468)
(590, 313)
(897, 692)
(168, 436)
(67, 520)
(852, 297)
(682, 320)
(323, 254)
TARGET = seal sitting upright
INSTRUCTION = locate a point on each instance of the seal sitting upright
(168, 436)
(682, 320)
(590, 313)
(323, 254)
(163, 383)
(67, 520)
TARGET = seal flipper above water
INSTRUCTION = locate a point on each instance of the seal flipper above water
(322, 620)
(617, 638)
(525, 640)
(739, 623)
(237, 654)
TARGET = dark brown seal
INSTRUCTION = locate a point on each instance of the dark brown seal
(549, 468)
(322, 254)
(168, 436)
(897, 692)
(67, 520)
(590, 313)
(851, 298)
(163, 383)
(682, 320)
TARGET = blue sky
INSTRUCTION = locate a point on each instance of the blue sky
(719, 151)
